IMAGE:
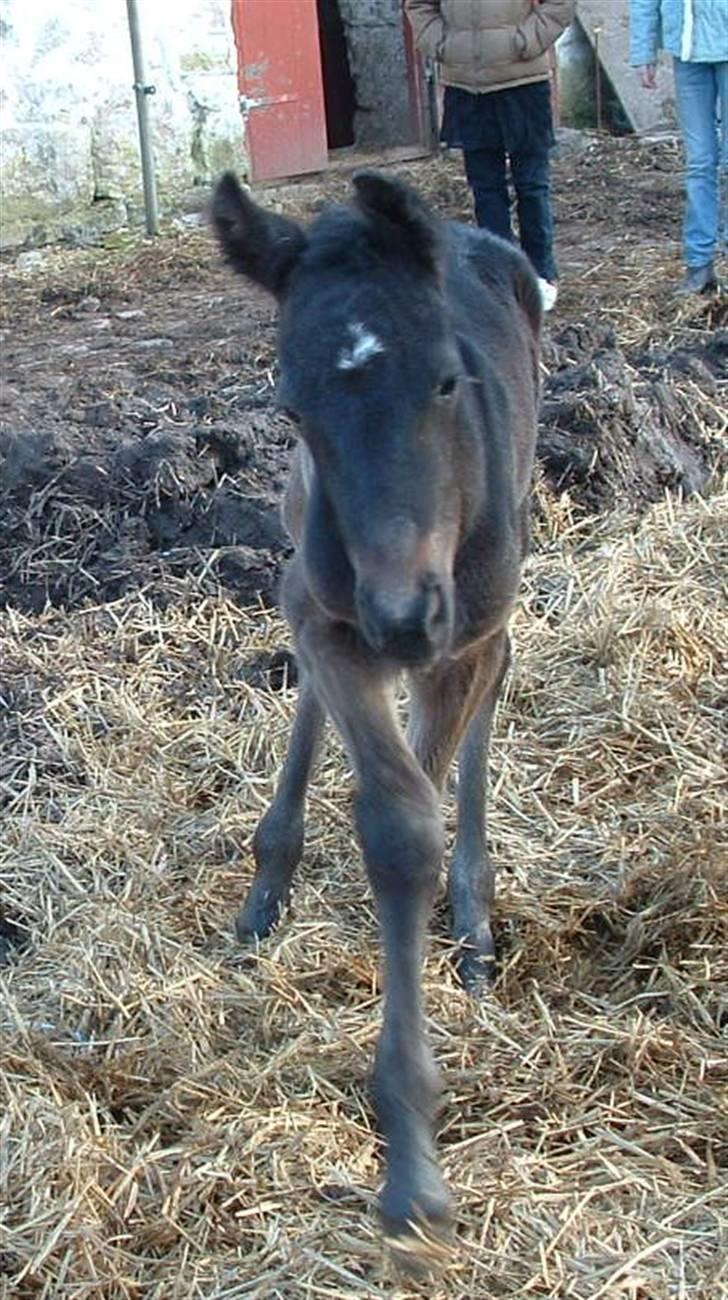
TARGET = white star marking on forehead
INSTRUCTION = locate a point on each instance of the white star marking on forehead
(364, 345)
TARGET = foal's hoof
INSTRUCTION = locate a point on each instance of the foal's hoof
(418, 1226)
(476, 961)
(260, 913)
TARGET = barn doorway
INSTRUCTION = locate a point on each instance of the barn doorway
(336, 77)
(339, 91)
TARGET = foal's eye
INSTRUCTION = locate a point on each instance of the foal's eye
(447, 387)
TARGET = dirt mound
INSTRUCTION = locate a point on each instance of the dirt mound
(143, 446)
(621, 426)
(87, 516)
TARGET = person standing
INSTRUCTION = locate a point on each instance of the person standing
(493, 62)
(695, 33)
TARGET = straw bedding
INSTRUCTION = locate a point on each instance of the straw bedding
(182, 1118)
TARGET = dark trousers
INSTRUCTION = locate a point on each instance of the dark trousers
(486, 172)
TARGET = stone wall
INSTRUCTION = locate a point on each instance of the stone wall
(69, 149)
(375, 38)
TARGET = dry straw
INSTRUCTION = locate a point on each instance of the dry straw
(180, 1119)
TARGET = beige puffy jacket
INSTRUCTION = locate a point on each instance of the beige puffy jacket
(484, 45)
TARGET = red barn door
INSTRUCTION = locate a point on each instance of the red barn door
(281, 87)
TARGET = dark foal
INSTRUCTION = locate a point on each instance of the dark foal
(408, 353)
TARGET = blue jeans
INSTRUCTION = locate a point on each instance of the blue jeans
(701, 91)
(486, 173)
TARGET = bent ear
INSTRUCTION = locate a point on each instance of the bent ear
(384, 196)
(261, 245)
(529, 298)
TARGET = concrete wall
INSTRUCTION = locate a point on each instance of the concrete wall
(645, 111)
(578, 87)
(69, 153)
(375, 38)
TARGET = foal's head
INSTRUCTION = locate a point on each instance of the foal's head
(371, 372)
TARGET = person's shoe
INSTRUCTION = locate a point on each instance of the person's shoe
(698, 279)
(549, 291)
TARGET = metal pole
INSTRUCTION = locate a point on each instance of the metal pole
(433, 107)
(598, 76)
(142, 91)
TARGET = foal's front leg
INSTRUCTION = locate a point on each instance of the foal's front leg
(400, 829)
(278, 843)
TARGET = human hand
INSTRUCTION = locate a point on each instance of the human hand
(648, 76)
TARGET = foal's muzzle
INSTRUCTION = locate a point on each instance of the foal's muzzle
(411, 624)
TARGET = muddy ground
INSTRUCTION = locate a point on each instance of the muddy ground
(139, 438)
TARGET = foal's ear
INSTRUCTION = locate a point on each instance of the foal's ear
(528, 297)
(261, 245)
(384, 196)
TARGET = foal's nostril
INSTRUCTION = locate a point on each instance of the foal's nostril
(435, 609)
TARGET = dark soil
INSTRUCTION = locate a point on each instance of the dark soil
(619, 425)
(139, 438)
(139, 443)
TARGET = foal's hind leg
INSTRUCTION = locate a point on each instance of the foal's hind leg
(471, 882)
(453, 710)
(278, 842)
